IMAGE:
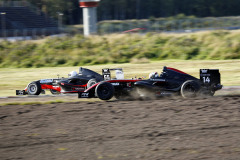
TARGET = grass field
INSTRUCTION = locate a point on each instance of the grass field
(18, 78)
(120, 48)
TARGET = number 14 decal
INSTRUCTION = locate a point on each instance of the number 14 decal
(206, 80)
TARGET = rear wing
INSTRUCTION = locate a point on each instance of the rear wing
(106, 72)
(210, 76)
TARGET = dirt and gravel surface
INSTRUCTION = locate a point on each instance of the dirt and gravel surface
(168, 128)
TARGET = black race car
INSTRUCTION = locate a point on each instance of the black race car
(89, 84)
(73, 84)
(170, 81)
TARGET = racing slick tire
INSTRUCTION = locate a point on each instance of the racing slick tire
(91, 82)
(34, 88)
(189, 89)
(104, 91)
(54, 91)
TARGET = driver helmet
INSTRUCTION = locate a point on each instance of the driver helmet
(72, 74)
(153, 75)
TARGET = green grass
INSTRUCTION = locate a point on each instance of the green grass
(120, 48)
(18, 78)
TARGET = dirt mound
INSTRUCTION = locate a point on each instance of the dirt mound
(205, 128)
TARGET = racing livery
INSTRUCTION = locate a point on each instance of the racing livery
(170, 81)
(89, 84)
(73, 84)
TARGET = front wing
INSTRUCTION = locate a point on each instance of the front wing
(21, 92)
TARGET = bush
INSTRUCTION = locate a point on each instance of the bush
(121, 48)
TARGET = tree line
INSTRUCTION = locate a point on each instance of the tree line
(140, 9)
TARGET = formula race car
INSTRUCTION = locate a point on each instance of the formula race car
(170, 81)
(76, 82)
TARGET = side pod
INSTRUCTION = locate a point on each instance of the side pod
(144, 84)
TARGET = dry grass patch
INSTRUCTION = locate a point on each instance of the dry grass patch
(18, 78)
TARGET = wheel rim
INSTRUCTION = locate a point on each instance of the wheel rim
(32, 88)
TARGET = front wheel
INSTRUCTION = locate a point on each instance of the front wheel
(54, 92)
(104, 90)
(190, 89)
(34, 88)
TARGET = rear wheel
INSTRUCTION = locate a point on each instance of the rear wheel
(54, 91)
(34, 88)
(104, 91)
(189, 89)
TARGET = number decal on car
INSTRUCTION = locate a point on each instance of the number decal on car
(206, 79)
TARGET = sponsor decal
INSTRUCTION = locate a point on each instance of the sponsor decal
(163, 93)
(84, 95)
(204, 73)
(79, 89)
(119, 74)
(115, 84)
(160, 80)
(204, 70)
(106, 70)
(46, 80)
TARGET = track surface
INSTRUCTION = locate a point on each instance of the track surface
(173, 128)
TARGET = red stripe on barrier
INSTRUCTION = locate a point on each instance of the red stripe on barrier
(134, 30)
(88, 4)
